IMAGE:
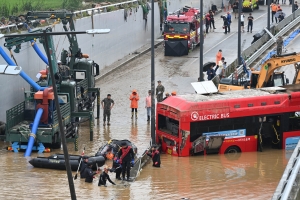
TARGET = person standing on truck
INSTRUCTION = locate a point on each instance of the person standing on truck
(160, 89)
(219, 56)
(107, 105)
(155, 155)
(104, 177)
(148, 105)
(274, 10)
(250, 23)
(279, 43)
(167, 95)
(126, 156)
(134, 98)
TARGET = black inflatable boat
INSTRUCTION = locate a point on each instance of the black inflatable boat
(111, 148)
(57, 161)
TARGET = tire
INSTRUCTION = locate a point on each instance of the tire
(233, 150)
(56, 144)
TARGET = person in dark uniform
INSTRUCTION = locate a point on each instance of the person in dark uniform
(89, 174)
(107, 105)
(126, 156)
(160, 89)
(117, 168)
(84, 162)
(154, 154)
(104, 177)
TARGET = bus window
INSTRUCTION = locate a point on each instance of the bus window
(168, 125)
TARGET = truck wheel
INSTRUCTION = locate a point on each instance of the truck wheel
(233, 149)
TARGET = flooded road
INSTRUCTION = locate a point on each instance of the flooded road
(215, 177)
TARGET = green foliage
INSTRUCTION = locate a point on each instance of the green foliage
(72, 4)
(110, 8)
(4, 10)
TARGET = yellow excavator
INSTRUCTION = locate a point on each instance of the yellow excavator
(266, 77)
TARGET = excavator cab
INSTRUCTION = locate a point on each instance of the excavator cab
(276, 80)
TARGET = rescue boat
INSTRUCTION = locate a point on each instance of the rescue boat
(57, 161)
(111, 148)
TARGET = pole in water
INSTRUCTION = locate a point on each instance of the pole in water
(61, 128)
(201, 42)
(152, 76)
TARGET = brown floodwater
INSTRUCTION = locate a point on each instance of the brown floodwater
(220, 177)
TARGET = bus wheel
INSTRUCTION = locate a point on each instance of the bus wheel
(233, 149)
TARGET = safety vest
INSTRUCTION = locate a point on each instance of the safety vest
(274, 7)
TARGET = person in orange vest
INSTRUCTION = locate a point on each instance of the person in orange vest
(148, 105)
(219, 56)
(134, 98)
(274, 10)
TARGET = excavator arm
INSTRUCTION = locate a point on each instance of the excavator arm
(66, 17)
(268, 68)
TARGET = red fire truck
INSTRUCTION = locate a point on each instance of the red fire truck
(235, 121)
(182, 32)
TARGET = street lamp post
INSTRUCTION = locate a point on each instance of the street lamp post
(152, 76)
(201, 41)
(269, 13)
(239, 34)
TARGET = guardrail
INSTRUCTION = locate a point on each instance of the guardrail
(252, 53)
(89, 11)
(104, 8)
(287, 189)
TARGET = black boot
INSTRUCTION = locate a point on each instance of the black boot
(148, 118)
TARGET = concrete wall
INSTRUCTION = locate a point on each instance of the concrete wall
(125, 37)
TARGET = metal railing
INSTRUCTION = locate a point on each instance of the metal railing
(287, 189)
(104, 8)
(89, 11)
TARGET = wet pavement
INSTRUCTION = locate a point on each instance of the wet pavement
(219, 177)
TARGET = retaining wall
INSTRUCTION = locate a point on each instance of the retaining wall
(126, 36)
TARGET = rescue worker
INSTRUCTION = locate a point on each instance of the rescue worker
(167, 95)
(104, 177)
(83, 165)
(160, 89)
(225, 24)
(207, 22)
(280, 17)
(155, 155)
(250, 23)
(107, 104)
(134, 98)
(236, 8)
(212, 20)
(117, 168)
(148, 105)
(279, 43)
(126, 156)
(229, 21)
(89, 174)
(219, 56)
(274, 10)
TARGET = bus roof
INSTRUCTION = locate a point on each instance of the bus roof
(242, 100)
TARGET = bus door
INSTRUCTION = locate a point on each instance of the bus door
(214, 144)
(209, 145)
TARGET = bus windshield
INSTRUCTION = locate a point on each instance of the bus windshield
(182, 28)
(168, 125)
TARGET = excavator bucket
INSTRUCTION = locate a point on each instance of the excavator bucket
(176, 48)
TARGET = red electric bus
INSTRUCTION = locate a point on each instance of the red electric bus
(234, 121)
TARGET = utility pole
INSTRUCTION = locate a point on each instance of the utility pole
(293, 8)
(239, 34)
(152, 76)
(201, 42)
(60, 123)
(269, 13)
